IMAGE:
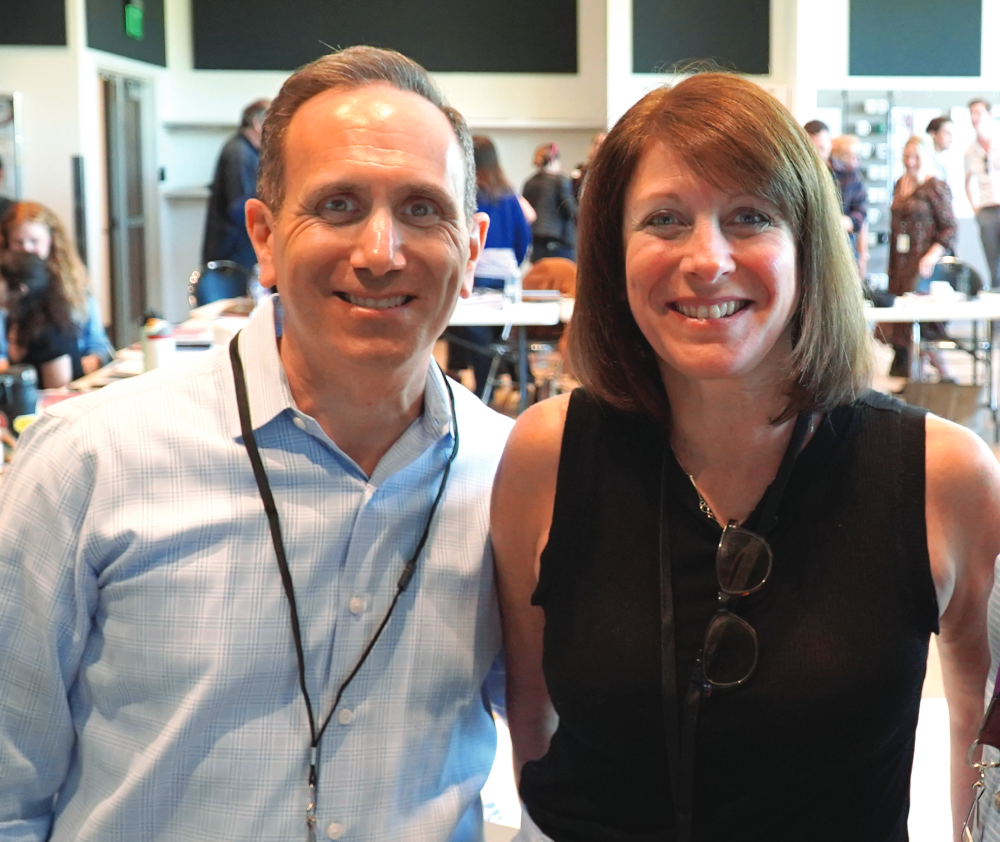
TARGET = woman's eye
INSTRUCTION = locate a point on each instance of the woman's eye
(753, 217)
(661, 219)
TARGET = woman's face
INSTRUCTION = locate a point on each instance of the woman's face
(911, 159)
(33, 238)
(710, 274)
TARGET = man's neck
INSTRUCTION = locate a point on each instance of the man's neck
(362, 411)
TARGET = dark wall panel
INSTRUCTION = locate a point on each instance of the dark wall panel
(33, 22)
(106, 31)
(502, 36)
(733, 33)
(916, 38)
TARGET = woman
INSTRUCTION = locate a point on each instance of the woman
(923, 231)
(34, 229)
(507, 242)
(719, 334)
(550, 194)
(40, 329)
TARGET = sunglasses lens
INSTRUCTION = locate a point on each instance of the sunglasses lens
(743, 561)
(729, 656)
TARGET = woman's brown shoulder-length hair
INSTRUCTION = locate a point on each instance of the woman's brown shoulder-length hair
(736, 136)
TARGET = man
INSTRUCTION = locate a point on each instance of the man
(853, 197)
(844, 159)
(155, 654)
(939, 130)
(234, 182)
(5, 202)
(981, 168)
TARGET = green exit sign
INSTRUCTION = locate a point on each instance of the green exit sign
(133, 19)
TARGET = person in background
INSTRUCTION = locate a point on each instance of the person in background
(844, 160)
(234, 182)
(252, 597)
(507, 242)
(5, 201)
(853, 198)
(580, 172)
(982, 169)
(33, 228)
(550, 193)
(939, 130)
(726, 544)
(923, 231)
(40, 328)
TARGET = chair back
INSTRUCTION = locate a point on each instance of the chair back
(552, 273)
(219, 279)
(960, 275)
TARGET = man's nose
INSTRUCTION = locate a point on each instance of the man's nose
(709, 253)
(379, 247)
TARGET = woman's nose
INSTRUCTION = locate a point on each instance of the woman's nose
(710, 254)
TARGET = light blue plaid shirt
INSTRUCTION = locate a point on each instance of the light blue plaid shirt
(148, 681)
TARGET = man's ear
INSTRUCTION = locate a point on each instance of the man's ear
(260, 227)
(477, 240)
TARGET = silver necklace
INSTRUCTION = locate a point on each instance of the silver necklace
(703, 506)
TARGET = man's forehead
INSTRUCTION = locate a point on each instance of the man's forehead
(402, 119)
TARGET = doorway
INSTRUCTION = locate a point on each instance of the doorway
(124, 102)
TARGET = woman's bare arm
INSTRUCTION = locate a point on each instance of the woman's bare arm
(56, 373)
(963, 537)
(523, 497)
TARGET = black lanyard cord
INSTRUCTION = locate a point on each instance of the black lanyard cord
(267, 498)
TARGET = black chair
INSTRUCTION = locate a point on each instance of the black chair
(979, 344)
(219, 279)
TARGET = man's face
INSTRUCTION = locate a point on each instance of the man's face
(823, 143)
(942, 137)
(371, 248)
(847, 153)
(979, 113)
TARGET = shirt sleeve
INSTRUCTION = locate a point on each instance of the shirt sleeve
(47, 598)
(93, 338)
(855, 200)
(241, 182)
(522, 231)
(939, 198)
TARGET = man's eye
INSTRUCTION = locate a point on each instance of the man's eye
(421, 209)
(339, 204)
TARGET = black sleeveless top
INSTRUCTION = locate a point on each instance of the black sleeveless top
(819, 743)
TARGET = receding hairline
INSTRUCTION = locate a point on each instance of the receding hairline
(454, 152)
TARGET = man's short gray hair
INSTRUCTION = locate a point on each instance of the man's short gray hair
(353, 67)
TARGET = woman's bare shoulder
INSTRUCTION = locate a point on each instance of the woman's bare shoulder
(962, 510)
(525, 485)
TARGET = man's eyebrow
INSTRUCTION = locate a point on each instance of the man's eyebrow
(405, 189)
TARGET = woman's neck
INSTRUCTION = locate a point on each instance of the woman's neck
(725, 438)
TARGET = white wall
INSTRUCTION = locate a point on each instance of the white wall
(193, 111)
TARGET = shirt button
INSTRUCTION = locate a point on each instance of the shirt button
(345, 716)
(335, 831)
(356, 605)
(301, 424)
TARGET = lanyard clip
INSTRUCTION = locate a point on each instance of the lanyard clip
(311, 808)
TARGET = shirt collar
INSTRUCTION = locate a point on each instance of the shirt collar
(267, 385)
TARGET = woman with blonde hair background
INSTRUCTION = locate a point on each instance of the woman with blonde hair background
(720, 562)
(923, 231)
(32, 228)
